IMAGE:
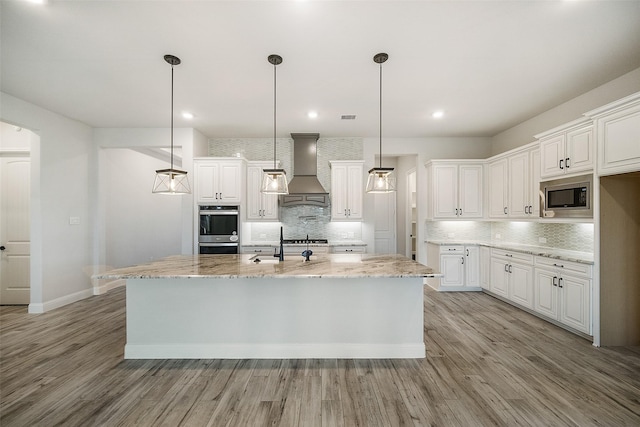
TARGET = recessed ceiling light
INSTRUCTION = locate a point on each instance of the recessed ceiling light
(38, 1)
(438, 114)
(187, 115)
(348, 117)
(312, 114)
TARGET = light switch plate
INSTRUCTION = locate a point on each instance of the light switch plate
(74, 220)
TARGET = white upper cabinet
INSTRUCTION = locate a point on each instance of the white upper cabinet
(617, 129)
(218, 180)
(498, 189)
(567, 149)
(513, 185)
(259, 206)
(347, 189)
(455, 189)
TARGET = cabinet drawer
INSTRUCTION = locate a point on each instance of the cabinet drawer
(565, 266)
(448, 249)
(511, 255)
(258, 249)
(349, 250)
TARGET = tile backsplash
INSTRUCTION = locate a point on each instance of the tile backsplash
(570, 236)
(298, 221)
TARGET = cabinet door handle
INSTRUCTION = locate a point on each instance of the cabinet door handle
(462, 259)
(349, 212)
(510, 268)
(526, 209)
(561, 160)
(506, 268)
(560, 282)
(566, 162)
(460, 211)
(456, 211)
(467, 252)
(555, 280)
(530, 210)
(345, 212)
(505, 210)
(558, 265)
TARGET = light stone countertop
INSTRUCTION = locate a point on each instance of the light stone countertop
(243, 266)
(331, 243)
(555, 253)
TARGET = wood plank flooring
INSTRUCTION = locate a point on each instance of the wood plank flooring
(487, 364)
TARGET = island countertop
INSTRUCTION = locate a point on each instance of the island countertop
(243, 266)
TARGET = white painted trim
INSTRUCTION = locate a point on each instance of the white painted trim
(59, 302)
(275, 351)
(103, 288)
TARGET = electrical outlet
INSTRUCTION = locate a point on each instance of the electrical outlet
(542, 239)
(74, 220)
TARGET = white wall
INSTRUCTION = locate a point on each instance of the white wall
(61, 188)
(175, 213)
(523, 133)
(139, 226)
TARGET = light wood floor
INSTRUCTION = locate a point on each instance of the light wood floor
(487, 364)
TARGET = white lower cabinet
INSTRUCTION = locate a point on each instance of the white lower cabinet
(562, 292)
(460, 266)
(512, 276)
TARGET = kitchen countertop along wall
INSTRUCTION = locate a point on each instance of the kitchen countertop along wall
(561, 254)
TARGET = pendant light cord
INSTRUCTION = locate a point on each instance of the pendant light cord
(381, 115)
(274, 114)
(172, 116)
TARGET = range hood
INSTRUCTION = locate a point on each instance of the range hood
(304, 188)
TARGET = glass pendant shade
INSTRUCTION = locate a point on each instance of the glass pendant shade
(381, 180)
(274, 181)
(171, 181)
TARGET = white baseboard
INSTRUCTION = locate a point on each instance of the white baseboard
(59, 302)
(99, 289)
(275, 351)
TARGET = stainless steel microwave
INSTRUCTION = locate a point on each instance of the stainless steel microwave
(567, 197)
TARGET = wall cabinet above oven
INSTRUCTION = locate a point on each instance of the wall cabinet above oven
(219, 180)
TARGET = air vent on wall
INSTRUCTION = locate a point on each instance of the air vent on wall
(348, 117)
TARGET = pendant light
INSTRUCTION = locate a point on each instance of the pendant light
(274, 181)
(381, 180)
(171, 181)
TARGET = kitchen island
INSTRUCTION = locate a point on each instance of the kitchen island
(230, 306)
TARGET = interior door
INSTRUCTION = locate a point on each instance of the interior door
(15, 193)
(385, 223)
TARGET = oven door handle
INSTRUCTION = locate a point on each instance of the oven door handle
(218, 244)
(218, 213)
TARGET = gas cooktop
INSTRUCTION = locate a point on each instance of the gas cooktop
(304, 241)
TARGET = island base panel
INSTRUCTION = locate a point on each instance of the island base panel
(274, 318)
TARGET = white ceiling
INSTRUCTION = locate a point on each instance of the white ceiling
(488, 64)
